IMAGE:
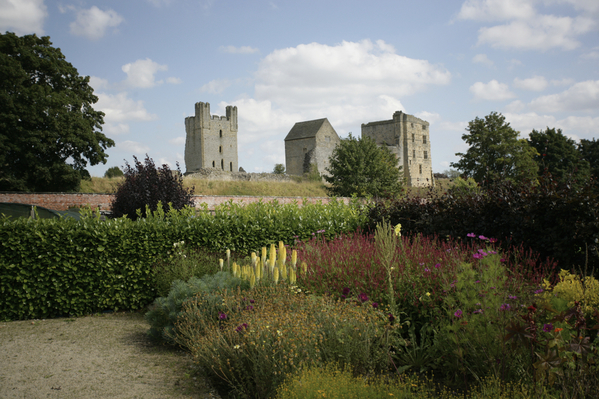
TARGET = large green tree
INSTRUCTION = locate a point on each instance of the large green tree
(558, 155)
(358, 166)
(589, 150)
(49, 130)
(496, 152)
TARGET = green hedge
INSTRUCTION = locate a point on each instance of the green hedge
(61, 267)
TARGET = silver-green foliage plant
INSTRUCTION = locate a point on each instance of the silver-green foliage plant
(164, 312)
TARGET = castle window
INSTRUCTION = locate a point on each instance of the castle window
(420, 167)
(413, 138)
(327, 138)
(305, 149)
(221, 133)
(414, 153)
(425, 155)
(424, 139)
(231, 166)
(220, 149)
(423, 127)
(412, 124)
(222, 164)
(213, 164)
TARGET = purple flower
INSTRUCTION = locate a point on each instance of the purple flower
(471, 235)
(477, 281)
(513, 297)
(346, 291)
(482, 238)
(250, 307)
(491, 253)
(343, 297)
(478, 256)
(540, 290)
(478, 311)
(241, 327)
(480, 251)
(375, 305)
(222, 316)
(548, 327)
(502, 260)
(391, 318)
(505, 307)
(458, 313)
(363, 297)
(426, 269)
(252, 301)
(438, 265)
(320, 231)
(492, 240)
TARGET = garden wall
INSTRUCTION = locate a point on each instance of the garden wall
(64, 201)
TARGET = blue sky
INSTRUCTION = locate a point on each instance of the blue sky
(353, 62)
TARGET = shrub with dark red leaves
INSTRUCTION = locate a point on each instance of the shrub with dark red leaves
(146, 185)
(557, 221)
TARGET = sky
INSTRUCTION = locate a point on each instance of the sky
(353, 62)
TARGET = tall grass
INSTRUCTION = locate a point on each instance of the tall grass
(299, 188)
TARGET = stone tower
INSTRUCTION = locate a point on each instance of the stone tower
(310, 143)
(211, 140)
(408, 138)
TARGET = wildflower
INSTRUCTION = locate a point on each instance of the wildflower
(279, 333)
(427, 270)
(492, 240)
(236, 347)
(428, 294)
(221, 263)
(320, 231)
(477, 256)
(391, 318)
(346, 291)
(532, 309)
(458, 313)
(471, 235)
(252, 301)
(250, 307)
(477, 281)
(363, 297)
(398, 230)
(557, 330)
(241, 327)
(482, 238)
(480, 251)
(375, 305)
(513, 297)
(540, 290)
(491, 252)
(478, 311)
(502, 260)
(438, 265)
(548, 327)
(222, 316)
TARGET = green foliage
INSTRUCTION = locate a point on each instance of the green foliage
(589, 150)
(163, 313)
(496, 152)
(464, 187)
(358, 167)
(145, 186)
(254, 339)
(571, 288)
(312, 174)
(559, 155)
(115, 171)
(49, 130)
(279, 169)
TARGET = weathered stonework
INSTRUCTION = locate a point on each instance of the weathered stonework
(211, 140)
(219, 175)
(310, 143)
(408, 138)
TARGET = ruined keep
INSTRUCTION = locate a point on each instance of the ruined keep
(211, 140)
(408, 138)
(310, 143)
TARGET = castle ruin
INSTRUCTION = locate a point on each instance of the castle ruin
(310, 143)
(211, 140)
(408, 138)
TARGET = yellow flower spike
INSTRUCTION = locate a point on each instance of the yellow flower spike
(221, 262)
(293, 258)
(254, 258)
(252, 281)
(284, 272)
(263, 255)
(398, 230)
(276, 275)
(273, 252)
(283, 254)
(304, 267)
(292, 277)
(229, 259)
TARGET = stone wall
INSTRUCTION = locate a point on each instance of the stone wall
(64, 201)
(215, 174)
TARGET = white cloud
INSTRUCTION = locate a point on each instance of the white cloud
(98, 83)
(178, 140)
(496, 10)
(513, 64)
(572, 126)
(591, 55)
(141, 73)
(587, 125)
(536, 83)
(238, 50)
(273, 151)
(23, 16)
(581, 96)
(562, 82)
(430, 117)
(115, 129)
(133, 146)
(160, 3)
(119, 108)
(584, 5)
(482, 59)
(492, 91)
(525, 123)
(216, 86)
(174, 81)
(94, 22)
(453, 126)
(541, 33)
(515, 106)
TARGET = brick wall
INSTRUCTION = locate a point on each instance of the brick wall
(64, 201)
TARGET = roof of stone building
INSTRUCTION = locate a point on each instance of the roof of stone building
(307, 129)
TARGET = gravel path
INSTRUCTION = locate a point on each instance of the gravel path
(100, 356)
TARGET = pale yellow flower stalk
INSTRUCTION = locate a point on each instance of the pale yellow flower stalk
(293, 258)
(263, 255)
(229, 259)
(304, 267)
(398, 230)
(258, 272)
(283, 272)
(273, 252)
(292, 277)
(221, 262)
(276, 275)
(283, 254)
(253, 259)
(234, 269)
(252, 281)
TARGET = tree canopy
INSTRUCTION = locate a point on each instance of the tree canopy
(49, 130)
(279, 169)
(589, 150)
(496, 152)
(558, 155)
(358, 166)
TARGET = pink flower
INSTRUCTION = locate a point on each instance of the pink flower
(482, 238)
(471, 235)
(458, 313)
(478, 256)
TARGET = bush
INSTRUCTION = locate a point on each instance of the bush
(145, 186)
(115, 171)
(163, 313)
(558, 222)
